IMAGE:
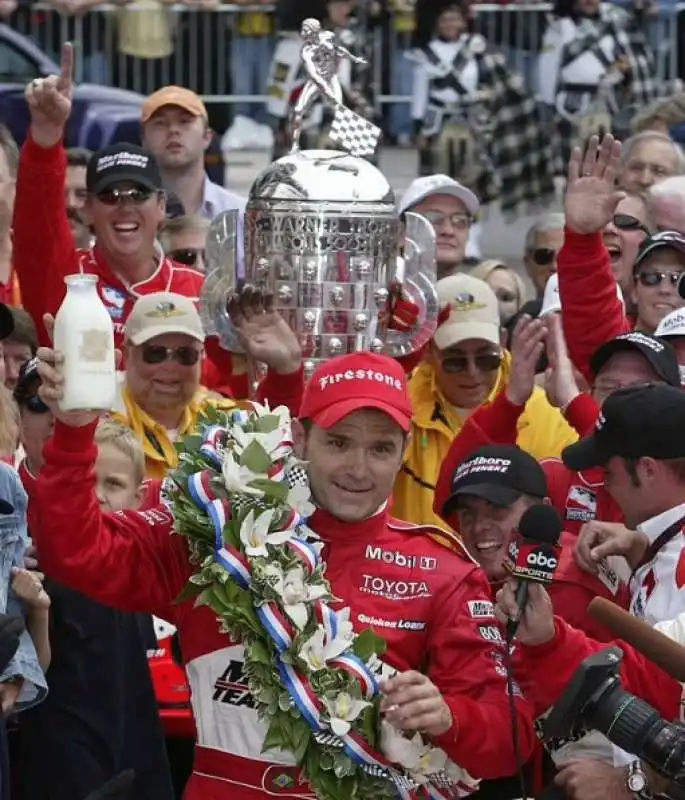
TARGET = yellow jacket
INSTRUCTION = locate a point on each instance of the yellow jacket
(542, 432)
(160, 451)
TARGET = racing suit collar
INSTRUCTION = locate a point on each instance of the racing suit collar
(331, 529)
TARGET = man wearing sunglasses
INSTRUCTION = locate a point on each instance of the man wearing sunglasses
(543, 241)
(466, 366)
(451, 209)
(125, 205)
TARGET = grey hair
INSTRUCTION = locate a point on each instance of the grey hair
(553, 221)
(673, 187)
(653, 136)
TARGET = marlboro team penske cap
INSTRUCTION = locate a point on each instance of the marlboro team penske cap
(353, 382)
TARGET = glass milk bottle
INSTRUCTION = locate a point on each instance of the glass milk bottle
(84, 334)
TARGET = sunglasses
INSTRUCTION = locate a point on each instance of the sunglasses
(544, 256)
(158, 354)
(505, 296)
(188, 256)
(459, 221)
(137, 195)
(35, 405)
(483, 362)
(656, 278)
(626, 222)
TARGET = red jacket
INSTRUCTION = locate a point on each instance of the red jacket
(550, 667)
(593, 313)
(573, 588)
(44, 253)
(426, 601)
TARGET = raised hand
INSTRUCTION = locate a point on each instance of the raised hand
(49, 101)
(52, 382)
(560, 382)
(526, 348)
(591, 194)
(263, 332)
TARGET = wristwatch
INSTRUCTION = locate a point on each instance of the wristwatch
(636, 780)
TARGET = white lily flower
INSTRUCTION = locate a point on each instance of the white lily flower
(294, 592)
(343, 709)
(254, 533)
(398, 749)
(299, 499)
(237, 478)
(318, 650)
(431, 760)
(271, 442)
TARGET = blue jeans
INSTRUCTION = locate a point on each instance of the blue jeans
(250, 61)
(401, 77)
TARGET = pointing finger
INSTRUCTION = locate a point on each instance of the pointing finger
(66, 74)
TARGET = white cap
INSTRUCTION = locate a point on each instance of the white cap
(551, 300)
(163, 312)
(672, 324)
(474, 311)
(421, 188)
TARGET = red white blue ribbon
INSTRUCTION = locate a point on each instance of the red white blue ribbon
(277, 625)
(218, 510)
(305, 552)
(212, 436)
(302, 693)
(355, 667)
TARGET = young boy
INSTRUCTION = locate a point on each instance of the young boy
(101, 716)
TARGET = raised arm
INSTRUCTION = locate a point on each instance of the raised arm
(43, 245)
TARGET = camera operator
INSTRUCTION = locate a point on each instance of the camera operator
(638, 440)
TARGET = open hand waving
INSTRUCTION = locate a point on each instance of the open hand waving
(49, 101)
(591, 194)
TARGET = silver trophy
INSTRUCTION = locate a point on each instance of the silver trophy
(322, 236)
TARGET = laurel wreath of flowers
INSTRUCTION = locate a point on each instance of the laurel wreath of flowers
(262, 484)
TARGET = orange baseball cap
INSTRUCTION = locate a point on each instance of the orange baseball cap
(173, 96)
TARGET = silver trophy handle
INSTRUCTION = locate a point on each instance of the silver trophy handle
(417, 275)
(221, 259)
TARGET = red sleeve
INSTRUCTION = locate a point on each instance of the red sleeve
(128, 560)
(570, 601)
(581, 413)
(283, 390)
(593, 314)
(217, 372)
(492, 423)
(43, 250)
(463, 662)
(549, 668)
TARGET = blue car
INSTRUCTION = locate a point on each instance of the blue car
(100, 114)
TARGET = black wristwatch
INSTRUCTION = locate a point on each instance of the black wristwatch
(636, 780)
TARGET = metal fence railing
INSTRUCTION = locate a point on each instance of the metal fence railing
(145, 44)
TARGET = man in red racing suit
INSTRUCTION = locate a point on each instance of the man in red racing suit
(430, 604)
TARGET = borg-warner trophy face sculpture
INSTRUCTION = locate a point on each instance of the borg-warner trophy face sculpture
(322, 235)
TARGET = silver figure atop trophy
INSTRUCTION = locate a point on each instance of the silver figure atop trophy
(322, 236)
(320, 55)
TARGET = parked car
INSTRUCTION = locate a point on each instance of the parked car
(100, 115)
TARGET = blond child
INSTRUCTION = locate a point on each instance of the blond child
(91, 729)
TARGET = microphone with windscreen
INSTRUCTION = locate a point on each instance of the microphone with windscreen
(533, 554)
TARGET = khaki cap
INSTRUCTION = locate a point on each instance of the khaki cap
(163, 312)
(173, 96)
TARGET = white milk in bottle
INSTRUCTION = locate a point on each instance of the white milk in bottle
(84, 334)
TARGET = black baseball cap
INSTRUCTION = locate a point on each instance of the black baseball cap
(661, 355)
(122, 163)
(27, 382)
(659, 241)
(6, 321)
(499, 474)
(636, 422)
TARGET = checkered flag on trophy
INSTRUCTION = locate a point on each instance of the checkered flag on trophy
(354, 133)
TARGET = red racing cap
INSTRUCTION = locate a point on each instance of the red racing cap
(346, 384)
